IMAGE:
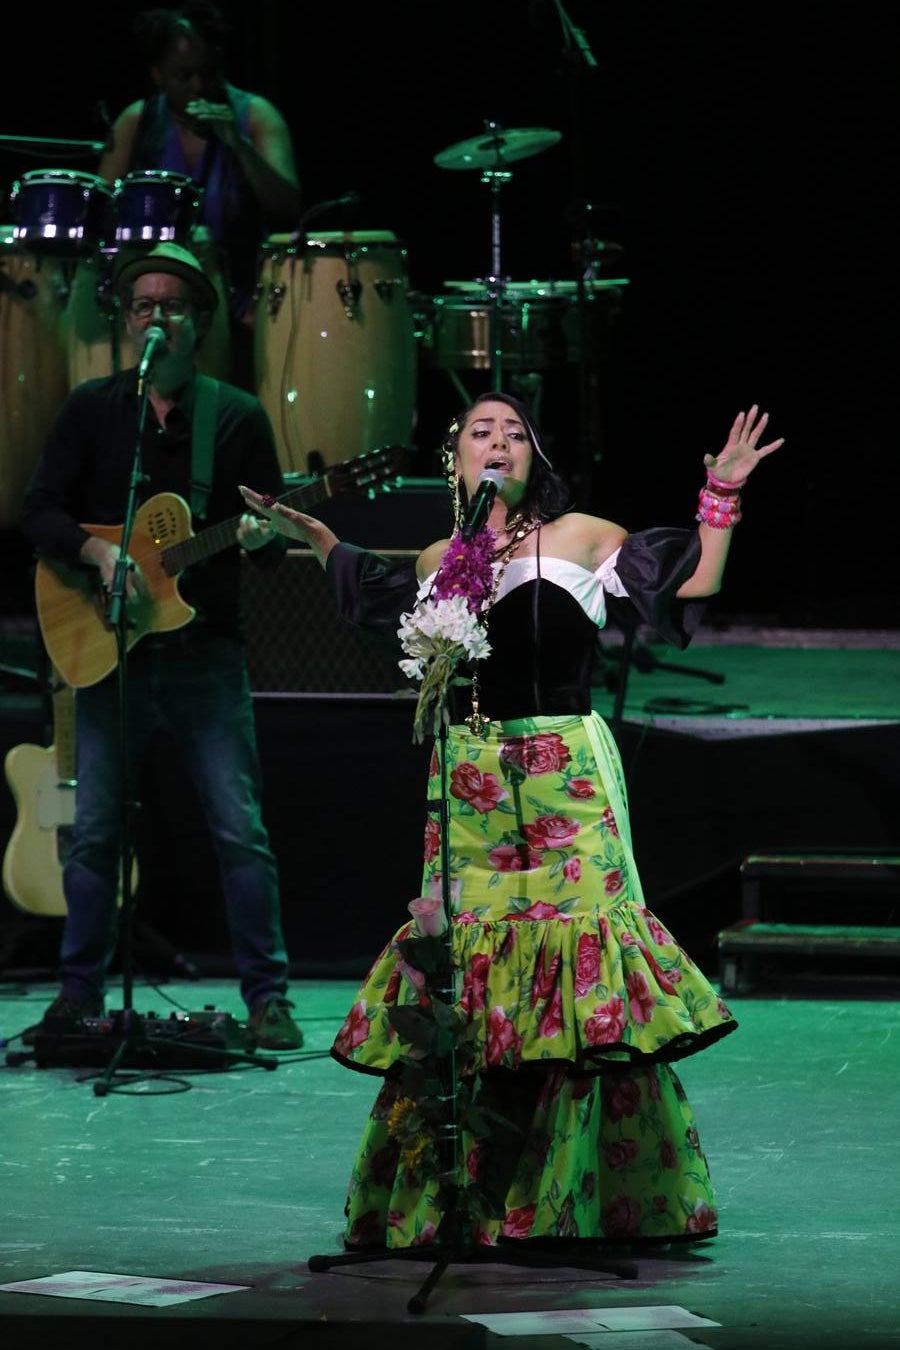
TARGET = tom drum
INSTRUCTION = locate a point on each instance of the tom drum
(157, 206)
(32, 364)
(62, 212)
(529, 332)
(334, 346)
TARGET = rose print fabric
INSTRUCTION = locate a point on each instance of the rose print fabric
(577, 1000)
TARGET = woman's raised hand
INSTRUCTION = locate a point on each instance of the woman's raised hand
(742, 451)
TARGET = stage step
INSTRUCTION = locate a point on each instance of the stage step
(794, 909)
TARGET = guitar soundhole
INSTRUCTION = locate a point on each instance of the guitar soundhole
(161, 525)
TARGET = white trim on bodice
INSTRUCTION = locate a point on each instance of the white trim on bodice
(589, 589)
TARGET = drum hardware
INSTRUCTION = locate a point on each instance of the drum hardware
(349, 292)
(26, 289)
(489, 153)
(274, 297)
(385, 289)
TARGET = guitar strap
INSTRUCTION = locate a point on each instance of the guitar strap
(206, 394)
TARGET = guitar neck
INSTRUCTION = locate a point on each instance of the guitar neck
(176, 557)
(64, 732)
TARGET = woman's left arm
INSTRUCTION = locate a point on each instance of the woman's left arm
(720, 499)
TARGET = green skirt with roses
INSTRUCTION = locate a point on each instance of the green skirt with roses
(527, 1054)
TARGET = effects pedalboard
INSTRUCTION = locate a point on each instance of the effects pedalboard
(187, 1040)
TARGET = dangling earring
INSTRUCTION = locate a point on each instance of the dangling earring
(453, 477)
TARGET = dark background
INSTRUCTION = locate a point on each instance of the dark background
(743, 155)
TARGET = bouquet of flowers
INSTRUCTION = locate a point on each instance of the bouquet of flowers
(447, 627)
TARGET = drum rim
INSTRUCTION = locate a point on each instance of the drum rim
(158, 175)
(324, 240)
(74, 175)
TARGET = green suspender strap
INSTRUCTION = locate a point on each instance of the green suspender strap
(206, 393)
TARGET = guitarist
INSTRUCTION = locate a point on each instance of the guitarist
(200, 439)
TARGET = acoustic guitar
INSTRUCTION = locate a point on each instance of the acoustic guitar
(73, 609)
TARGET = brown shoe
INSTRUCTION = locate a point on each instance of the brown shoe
(63, 1016)
(271, 1026)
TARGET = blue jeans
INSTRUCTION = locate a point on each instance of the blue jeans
(196, 684)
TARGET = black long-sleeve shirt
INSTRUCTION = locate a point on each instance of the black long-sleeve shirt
(83, 477)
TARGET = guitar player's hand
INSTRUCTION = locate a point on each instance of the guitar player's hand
(254, 532)
(104, 555)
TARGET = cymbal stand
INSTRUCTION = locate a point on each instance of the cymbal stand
(495, 282)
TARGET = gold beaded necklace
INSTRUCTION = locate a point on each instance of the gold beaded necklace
(522, 528)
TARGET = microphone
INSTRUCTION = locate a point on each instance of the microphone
(489, 484)
(348, 199)
(154, 339)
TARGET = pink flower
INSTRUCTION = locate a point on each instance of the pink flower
(432, 839)
(502, 1039)
(582, 789)
(572, 870)
(514, 858)
(546, 752)
(354, 1031)
(640, 999)
(587, 964)
(607, 1024)
(429, 915)
(553, 831)
(481, 790)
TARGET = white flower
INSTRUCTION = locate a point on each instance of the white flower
(436, 636)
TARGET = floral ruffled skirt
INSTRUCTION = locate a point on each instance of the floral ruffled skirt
(570, 1002)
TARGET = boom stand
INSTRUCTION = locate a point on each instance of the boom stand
(451, 1243)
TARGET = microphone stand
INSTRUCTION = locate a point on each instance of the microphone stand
(133, 1037)
(118, 622)
(450, 1241)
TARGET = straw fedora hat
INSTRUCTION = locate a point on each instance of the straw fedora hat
(177, 261)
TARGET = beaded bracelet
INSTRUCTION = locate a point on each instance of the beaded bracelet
(714, 482)
(719, 512)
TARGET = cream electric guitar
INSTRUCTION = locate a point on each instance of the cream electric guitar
(73, 610)
(42, 782)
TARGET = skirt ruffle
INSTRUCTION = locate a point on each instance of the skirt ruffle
(587, 992)
(614, 1159)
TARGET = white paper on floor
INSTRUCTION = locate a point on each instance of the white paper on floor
(589, 1321)
(105, 1288)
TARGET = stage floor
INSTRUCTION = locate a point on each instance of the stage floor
(236, 1176)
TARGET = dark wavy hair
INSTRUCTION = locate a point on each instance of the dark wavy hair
(157, 30)
(547, 495)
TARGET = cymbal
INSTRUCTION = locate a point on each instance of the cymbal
(492, 151)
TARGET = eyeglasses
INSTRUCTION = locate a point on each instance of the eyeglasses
(143, 307)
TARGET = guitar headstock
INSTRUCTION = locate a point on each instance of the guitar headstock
(368, 471)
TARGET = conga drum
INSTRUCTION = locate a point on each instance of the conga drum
(93, 328)
(32, 364)
(335, 346)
